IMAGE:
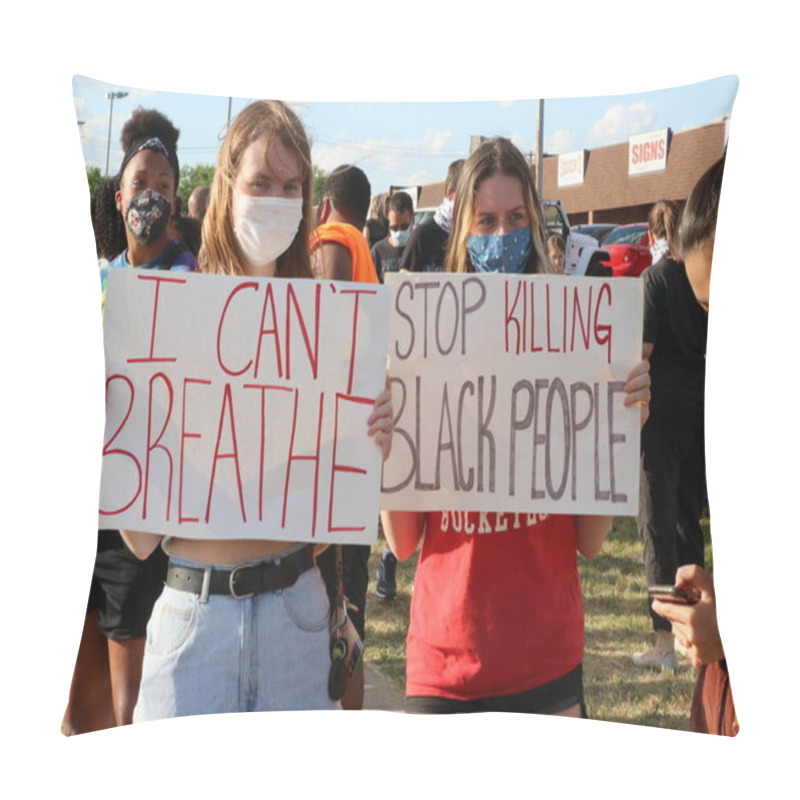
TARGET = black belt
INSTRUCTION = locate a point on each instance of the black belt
(244, 580)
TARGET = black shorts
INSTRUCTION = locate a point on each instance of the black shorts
(124, 589)
(550, 698)
(355, 576)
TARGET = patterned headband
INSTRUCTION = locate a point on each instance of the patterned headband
(151, 143)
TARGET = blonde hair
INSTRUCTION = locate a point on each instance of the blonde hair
(556, 242)
(220, 252)
(494, 156)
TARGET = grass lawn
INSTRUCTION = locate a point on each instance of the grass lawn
(617, 624)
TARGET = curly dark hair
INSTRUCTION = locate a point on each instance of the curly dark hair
(109, 228)
(145, 124)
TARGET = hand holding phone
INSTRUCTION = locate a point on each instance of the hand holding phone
(671, 594)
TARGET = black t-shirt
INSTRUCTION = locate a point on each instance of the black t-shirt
(377, 230)
(386, 257)
(426, 248)
(677, 326)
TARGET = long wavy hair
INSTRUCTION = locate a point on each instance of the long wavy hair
(220, 252)
(494, 156)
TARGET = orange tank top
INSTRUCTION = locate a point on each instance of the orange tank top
(344, 234)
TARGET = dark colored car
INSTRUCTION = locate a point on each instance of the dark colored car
(598, 230)
(629, 249)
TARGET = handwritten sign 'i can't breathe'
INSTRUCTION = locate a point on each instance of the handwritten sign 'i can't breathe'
(237, 408)
(508, 394)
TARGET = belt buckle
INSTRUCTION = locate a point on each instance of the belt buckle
(232, 583)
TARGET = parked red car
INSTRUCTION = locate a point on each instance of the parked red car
(629, 249)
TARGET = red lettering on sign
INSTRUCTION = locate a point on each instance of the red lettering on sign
(269, 302)
(313, 354)
(227, 411)
(108, 451)
(184, 436)
(251, 285)
(156, 445)
(159, 279)
(315, 458)
(602, 333)
(263, 447)
(336, 467)
(354, 331)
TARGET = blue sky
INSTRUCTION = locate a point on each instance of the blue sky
(408, 142)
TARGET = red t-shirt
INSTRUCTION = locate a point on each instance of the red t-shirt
(496, 607)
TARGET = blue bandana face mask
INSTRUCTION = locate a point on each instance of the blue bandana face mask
(500, 252)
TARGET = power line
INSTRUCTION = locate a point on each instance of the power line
(380, 147)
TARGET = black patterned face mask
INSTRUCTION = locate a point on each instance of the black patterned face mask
(147, 216)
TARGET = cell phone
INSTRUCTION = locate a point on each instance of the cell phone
(671, 594)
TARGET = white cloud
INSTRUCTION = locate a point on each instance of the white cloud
(435, 140)
(563, 141)
(386, 161)
(620, 122)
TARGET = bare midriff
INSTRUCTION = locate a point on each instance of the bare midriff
(226, 551)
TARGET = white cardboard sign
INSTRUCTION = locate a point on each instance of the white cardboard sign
(508, 394)
(237, 407)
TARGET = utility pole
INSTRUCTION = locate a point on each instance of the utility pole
(112, 96)
(540, 151)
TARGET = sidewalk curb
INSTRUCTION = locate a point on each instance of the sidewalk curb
(380, 694)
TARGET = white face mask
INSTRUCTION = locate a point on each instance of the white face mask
(266, 226)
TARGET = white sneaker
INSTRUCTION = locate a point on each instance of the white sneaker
(655, 660)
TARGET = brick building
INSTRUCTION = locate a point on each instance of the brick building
(608, 193)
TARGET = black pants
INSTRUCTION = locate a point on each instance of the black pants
(355, 577)
(557, 695)
(671, 501)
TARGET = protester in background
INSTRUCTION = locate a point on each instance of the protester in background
(427, 245)
(387, 253)
(424, 252)
(496, 619)
(662, 230)
(339, 252)
(672, 446)
(148, 179)
(695, 626)
(187, 230)
(198, 202)
(556, 252)
(269, 613)
(124, 589)
(377, 225)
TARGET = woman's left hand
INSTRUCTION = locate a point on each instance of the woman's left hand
(637, 388)
(381, 422)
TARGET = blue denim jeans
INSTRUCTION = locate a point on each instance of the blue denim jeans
(216, 654)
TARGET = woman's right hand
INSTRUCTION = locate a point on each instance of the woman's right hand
(381, 421)
(695, 626)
